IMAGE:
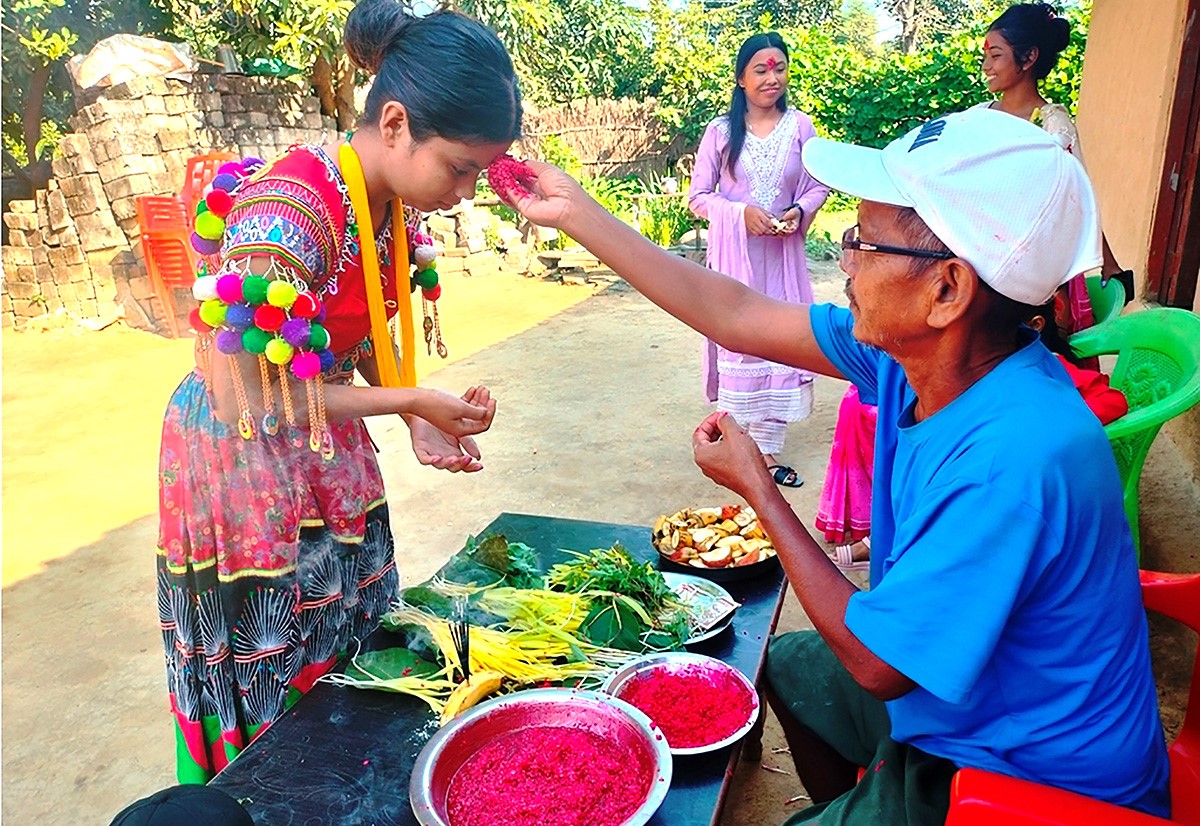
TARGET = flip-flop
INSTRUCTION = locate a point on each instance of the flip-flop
(785, 476)
(843, 557)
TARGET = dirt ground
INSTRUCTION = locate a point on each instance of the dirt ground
(598, 395)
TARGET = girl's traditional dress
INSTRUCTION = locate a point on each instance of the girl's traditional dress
(272, 558)
(761, 395)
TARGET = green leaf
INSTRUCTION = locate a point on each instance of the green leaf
(390, 663)
(615, 625)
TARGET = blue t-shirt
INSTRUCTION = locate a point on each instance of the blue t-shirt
(1004, 579)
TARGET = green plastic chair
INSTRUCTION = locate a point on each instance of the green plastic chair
(1158, 370)
(1107, 299)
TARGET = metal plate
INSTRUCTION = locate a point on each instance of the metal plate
(675, 580)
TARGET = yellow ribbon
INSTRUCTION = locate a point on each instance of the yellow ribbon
(385, 353)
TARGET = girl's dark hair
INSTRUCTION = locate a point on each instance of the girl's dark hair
(737, 106)
(1051, 336)
(1029, 26)
(451, 72)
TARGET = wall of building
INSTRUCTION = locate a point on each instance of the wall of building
(1125, 100)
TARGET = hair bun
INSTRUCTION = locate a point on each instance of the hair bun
(1059, 34)
(372, 27)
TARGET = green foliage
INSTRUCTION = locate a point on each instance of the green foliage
(614, 194)
(38, 36)
(820, 246)
(665, 218)
(568, 49)
(555, 150)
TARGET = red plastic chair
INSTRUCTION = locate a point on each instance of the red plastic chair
(166, 245)
(982, 798)
(200, 171)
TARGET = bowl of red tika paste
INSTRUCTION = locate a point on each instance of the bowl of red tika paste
(543, 757)
(699, 703)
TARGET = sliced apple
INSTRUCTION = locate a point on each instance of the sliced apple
(749, 558)
(716, 558)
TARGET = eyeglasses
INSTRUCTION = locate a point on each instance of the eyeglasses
(852, 244)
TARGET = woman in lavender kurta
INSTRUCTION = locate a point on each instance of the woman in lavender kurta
(750, 184)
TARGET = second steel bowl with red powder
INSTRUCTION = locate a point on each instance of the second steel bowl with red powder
(699, 703)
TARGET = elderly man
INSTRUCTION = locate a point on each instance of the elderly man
(1004, 627)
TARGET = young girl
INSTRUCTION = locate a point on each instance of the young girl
(751, 186)
(1020, 49)
(275, 549)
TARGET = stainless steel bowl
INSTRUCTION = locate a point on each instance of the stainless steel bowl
(607, 716)
(675, 660)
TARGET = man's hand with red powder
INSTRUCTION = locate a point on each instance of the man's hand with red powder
(511, 179)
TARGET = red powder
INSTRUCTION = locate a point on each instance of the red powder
(510, 179)
(693, 705)
(551, 775)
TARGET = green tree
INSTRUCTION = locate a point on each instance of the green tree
(568, 49)
(780, 13)
(38, 37)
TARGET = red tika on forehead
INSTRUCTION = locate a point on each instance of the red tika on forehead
(987, 44)
(772, 63)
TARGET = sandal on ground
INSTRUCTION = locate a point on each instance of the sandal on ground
(785, 476)
(843, 557)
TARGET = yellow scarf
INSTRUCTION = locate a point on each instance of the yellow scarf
(385, 353)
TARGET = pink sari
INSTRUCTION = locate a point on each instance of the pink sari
(844, 513)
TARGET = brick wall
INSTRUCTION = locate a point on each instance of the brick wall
(75, 247)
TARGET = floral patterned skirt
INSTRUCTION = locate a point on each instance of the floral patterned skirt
(272, 561)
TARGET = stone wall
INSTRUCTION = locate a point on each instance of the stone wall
(75, 247)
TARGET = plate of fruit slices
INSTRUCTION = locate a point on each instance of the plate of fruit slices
(723, 544)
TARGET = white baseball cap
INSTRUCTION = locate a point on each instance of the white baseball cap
(1000, 192)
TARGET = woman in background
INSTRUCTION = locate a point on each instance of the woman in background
(751, 186)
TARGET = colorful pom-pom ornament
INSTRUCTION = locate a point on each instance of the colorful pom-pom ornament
(278, 351)
(306, 305)
(212, 312)
(229, 342)
(256, 340)
(225, 181)
(281, 294)
(306, 365)
(433, 293)
(269, 318)
(296, 332)
(327, 360)
(427, 278)
(218, 202)
(239, 317)
(254, 289)
(201, 206)
(229, 288)
(318, 338)
(197, 323)
(204, 288)
(206, 246)
(251, 163)
(209, 226)
(235, 168)
(423, 255)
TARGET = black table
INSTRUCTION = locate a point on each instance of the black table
(343, 756)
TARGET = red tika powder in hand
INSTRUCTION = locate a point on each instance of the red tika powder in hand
(549, 776)
(510, 179)
(693, 706)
